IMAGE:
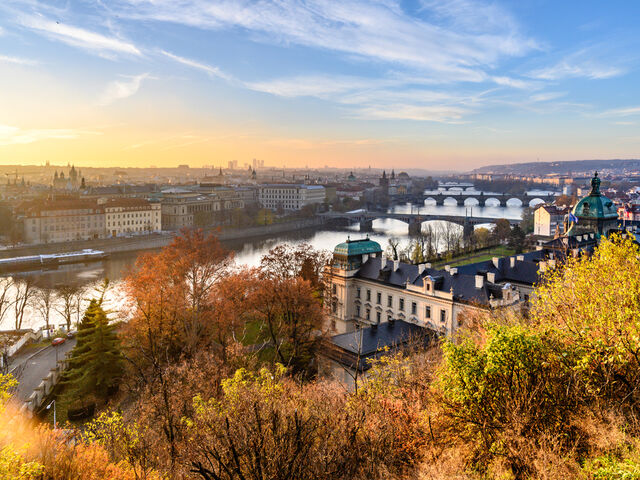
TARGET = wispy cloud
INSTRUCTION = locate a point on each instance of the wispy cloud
(211, 70)
(12, 135)
(546, 96)
(79, 37)
(621, 112)
(119, 89)
(514, 83)
(585, 63)
(380, 31)
(17, 60)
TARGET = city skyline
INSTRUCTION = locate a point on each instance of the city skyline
(435, 85)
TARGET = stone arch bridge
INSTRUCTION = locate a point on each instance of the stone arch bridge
(461, 197)
(413, 220)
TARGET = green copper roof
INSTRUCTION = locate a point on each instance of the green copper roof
(595, 205)
(357, 247)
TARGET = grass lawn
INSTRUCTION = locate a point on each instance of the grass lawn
(474, 257)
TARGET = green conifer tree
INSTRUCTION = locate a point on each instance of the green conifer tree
(96, 363)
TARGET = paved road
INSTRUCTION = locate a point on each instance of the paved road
(30, 371)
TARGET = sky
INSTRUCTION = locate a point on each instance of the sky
(438, 85)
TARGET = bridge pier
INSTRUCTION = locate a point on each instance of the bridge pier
(366, 225)
(503, 201)
(415, 227)
(439, 200)
(460, 201)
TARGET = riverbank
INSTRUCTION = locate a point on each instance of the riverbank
(159, 240)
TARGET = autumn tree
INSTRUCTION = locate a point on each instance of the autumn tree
(501, 229)
(67, 297)
(6, 287)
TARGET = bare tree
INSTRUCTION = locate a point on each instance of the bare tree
(24, 292)
(43, 301)
(6, 285)
(393, 247)
(66, 306)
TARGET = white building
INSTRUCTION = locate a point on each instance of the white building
(62, 220)
(549, 220)
(290, 196)
(368, 289)
(131, 215)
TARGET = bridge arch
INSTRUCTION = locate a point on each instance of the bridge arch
(536, 201)
(492, 201)
(514, 202)
(471, 201)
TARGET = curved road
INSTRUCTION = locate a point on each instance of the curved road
(31, 369)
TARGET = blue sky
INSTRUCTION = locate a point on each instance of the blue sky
(439, 85)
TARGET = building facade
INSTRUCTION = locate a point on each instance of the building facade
(366, 288)
(549, 220)
(131, 215)
(290, 196)
(62, 220)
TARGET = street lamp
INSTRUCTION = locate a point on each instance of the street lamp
(54, 412)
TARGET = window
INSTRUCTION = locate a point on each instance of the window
(402, 304)
(378, 314)
(443, 316)
(368, 314)
(379, 298)
(389, 318)
(389, 301)
(427, 312)
(368, 295)
(334, 289)
(334, 307)
(414, 308)
(358, 292)
(358, 311)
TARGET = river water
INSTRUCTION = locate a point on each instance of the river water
(246, 252)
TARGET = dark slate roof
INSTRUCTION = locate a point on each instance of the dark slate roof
(463, 282)
(373, 342)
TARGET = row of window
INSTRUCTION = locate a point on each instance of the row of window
(414, 305)
(427, 313)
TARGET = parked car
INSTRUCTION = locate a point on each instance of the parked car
(71, 334)
(58, 341)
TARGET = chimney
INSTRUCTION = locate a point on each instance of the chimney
(427, 265)
(396, 263)
(491, 277)
(420, 268)
(520, 258)
(512, 261)
(453, 271)
(365, 257)
(496, 262)
(447, 267)
(479, 281)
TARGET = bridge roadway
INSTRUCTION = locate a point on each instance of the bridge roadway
(414, 220)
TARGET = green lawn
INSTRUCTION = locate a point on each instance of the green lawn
(474, 257)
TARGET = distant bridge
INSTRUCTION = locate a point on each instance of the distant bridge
(461, 196)
(413, 220)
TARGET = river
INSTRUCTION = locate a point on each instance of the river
(246, 252)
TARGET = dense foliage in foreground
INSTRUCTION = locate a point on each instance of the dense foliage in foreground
(553, 395)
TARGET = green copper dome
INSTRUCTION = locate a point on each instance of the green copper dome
(595, 212)
(364, 246)
(595, 205)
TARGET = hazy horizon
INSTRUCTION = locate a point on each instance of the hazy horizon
(438, 86)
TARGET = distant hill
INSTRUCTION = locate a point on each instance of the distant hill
(565, 167)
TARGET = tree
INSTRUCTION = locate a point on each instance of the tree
(516, 239)
(502, 229)
(6, 286)
(96, 363)
(264, 217)
(24, 291)
(291, 312)
(66, 305)
(527, 223)
(481, 236)
(392, 248)
(288, 261)
(43, 300)
(565, 200)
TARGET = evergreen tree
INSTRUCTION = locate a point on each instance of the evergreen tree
(96, 362)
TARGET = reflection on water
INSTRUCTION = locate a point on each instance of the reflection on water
(247, 252)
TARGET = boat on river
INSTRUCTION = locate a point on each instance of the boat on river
(50, 261)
